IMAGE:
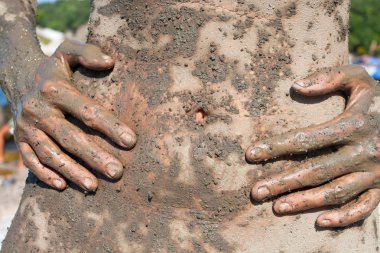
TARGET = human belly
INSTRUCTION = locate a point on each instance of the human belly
(198, 81)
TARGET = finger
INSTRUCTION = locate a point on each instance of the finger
(353, 212)
(44, 174)
(74, 141)
(87, 55)
(68, 99)
(344, 78)
(310, 173)
(337, 192)
(50, 155)
(352, 79)
(333, 132)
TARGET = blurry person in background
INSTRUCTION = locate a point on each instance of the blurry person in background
(6, 127)
(370, 63)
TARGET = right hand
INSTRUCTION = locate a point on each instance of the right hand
(42, 129)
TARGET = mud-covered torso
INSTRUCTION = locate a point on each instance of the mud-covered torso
(195, 79)
(198, 81)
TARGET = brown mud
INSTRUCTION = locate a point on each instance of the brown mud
(186, 184)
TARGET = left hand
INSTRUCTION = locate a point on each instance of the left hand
(349, 176)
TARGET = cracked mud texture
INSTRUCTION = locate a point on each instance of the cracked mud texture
(186, 183)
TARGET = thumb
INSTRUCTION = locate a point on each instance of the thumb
(87, 55)
(344, 78)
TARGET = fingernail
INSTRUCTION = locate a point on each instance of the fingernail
(128, 139)
(106, 57)
(284, 207)
(301, 84)
(256, 154)
(256, 151)
(263, 192)
(58, 183)
(87, 182)
(325, 223)
(114, 170)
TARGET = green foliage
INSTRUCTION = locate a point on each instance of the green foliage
(43, 40)
(364, 24)
(63, 15)
(66, 15)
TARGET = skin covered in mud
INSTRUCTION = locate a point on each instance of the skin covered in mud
(197, 82)
(351, 173)
(41, 95)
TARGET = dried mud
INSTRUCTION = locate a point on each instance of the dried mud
(140, 209)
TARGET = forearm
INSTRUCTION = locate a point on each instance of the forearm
(19, 47)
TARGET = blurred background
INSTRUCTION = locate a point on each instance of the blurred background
(60, 19)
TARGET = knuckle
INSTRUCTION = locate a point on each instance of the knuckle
(355, 122)
(28, 107)
(373, 150)
(301, 138)
(43, 150)
(359, 120)
(71, 140)
(89, 114)
(66, 143)
(49, 88)
(45, 153)
(366, 209)
(338, 195)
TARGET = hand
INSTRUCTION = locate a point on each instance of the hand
(42, 129)
(351, 175)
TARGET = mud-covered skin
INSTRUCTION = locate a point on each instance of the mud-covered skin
(186, 186)
(41, 96)
(17, 25)
(351, 174)
(41, 123)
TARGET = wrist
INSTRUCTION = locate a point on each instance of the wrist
(17, 75)
(19, 49)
